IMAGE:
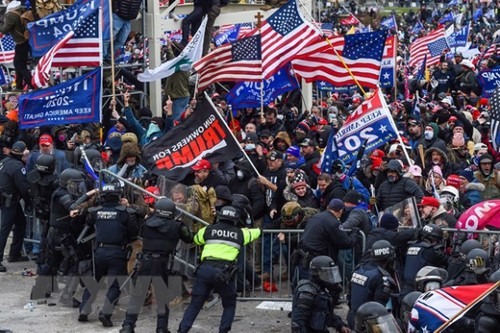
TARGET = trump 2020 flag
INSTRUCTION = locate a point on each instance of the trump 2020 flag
(74, 101)
(389, 23)
(189, 55)
(436, 307)
(458, 38)
(372, 122)
(83, 49)
(248, 94)
(203, 135)
(417, 28)
(388, 66)
(495, 118)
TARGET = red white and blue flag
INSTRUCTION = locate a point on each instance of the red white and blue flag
(7, 47)
(436, 307)
(431, 45)
(388, 67)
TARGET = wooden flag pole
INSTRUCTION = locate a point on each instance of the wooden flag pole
(259, 18)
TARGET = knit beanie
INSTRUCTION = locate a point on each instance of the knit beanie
(389, 221)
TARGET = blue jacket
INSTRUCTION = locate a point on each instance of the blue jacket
(141, 132)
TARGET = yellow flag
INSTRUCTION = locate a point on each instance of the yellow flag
(351, 31)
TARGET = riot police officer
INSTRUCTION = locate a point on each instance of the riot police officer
(405, 309)
(488, 318)
(373, 317)
(160, 234)
(312, 307)
(14, 187)
(427, 252)
(475, 269)
(115, 226)
(375, 280)
(430, 278)
(222, 243)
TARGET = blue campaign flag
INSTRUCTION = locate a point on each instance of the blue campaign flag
(459, 38)
(47, 31)
(477, 15)
(447, 18)
(389, 23)
(421, 70)
(417, 28)
(330, 153)
(248, 94)
(227, 36)
(3, 79)
(453, 3)
(489, 80)
(324, 86)
(74, 101)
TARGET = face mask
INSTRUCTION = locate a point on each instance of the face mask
(62, 138)
(130, 163)
(240, 175)
(250, 146)
(428, 135)
(391, 179)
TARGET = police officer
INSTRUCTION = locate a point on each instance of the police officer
(430, 278)
(312, 307)
(476, 269)
(14, 186)
(222, 243)
(115, 226)
(374, 280)
(160, 234)
(405, 308)
(373, 317)
(427, 252)
(488, 318)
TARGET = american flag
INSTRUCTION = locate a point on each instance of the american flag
(238, 61)
(362, 53)
(495, 118)
(433, 45)
(42, 71)
(7, 47)
(326, 28)
(284, 34)
(84, 49)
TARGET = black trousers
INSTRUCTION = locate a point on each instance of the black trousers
(21, 65)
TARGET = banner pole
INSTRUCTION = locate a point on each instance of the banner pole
(112, 48)
(231, 132)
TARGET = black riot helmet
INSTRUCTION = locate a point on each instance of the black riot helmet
(476, 261)
(469, 245)
(165, 207)
(240, 200)
(430, 278)
(45, 163)
(431, 232)
(74, 181)
(231, 215)
(324, 268)
(406, 306)
(111, 192)
(372, 317)
(382, 251)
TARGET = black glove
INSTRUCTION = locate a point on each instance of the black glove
(354, 231)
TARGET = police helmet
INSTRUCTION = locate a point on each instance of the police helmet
(45, 163)
(406, 306)
(324, 268)
(382, 251)
(431, 232)
(291, 213)
(95, 159)
(165, 207)
(230, 214)
(430, 278)
(495, 296)
(373, 317)
(469, 245)
(70, 175)
(240, 200)
(477, 260)
(111, 191)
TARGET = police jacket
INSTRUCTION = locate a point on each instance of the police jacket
(223, 241)
(323, 235)
(115, 224)
(419, 255)
(312, 309)
(42, 186)
(13, 179)
(367, 284)
(161, 235)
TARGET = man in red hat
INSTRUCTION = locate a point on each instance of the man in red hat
(205, 175)
(431, 211)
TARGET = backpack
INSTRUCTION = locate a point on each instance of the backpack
(206, 202)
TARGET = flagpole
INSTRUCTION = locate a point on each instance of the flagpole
(395, 80)
(469, 306)
(112, 48)
(231, 132)
(334, 50)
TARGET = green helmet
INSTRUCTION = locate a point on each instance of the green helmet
(291, 213)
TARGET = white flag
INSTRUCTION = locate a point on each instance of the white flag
(183, 62)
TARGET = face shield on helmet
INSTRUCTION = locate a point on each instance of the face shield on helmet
(330, 275)
(76, 187)
(382, 324)
(432, 285)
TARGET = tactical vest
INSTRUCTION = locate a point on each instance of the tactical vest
(414, 262)
(160, 235)
(223, 233)
(323, 305)
(59, 215)
(110, 224)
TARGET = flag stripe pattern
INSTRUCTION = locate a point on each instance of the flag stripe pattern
(363, 58)
(495, 118)
(7, 47)
(42, 71)
(84, 49)
(432, 44)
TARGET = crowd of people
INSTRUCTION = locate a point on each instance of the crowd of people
(400, 196)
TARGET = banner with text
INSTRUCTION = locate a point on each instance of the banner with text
(489, 80)
(73, 101)
(371, 121)
(388, 66)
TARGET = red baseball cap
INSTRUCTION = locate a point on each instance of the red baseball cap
(149, 199)
(45, 139)
(202, 165)
(429, 201)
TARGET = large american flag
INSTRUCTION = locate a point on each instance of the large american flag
(7, 47)
(284, 34)
(495, 118)
(362, 53)
(84, 49)
(42, 71)
(238, 61)
(432, 44)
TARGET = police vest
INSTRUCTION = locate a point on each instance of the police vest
(222, 241)
(59, 215)
(414, 261)
(321, 307)
(361, 281)
(111, 224)
(160, 235)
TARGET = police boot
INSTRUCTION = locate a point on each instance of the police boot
(105, 320)
(3, 269)
(127, 329)
(67, 300)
